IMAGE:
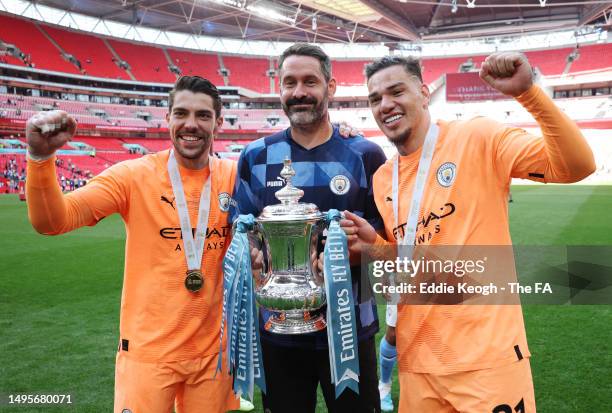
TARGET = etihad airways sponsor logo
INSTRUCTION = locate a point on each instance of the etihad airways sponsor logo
(428, 225)
(215, 236)
(214, 232)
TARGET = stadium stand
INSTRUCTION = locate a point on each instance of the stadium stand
(250, 73)
(22, 107)
(91, 52)
(226, 145)
(201, 64)
(254, 119)
(152, 145)
(352, 73)
(39, 51)
(12, 173)
(349, 72)
(72, 171)
(101, 143)
(549, 62)
(147, 63)
(84, 112)
(153, 64)
(593, 57)
(8, 58)
(114, 157)
(434, 68)
(89, 163)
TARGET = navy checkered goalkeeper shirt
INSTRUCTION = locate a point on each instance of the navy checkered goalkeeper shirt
(322, 173)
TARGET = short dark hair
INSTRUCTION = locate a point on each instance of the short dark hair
(307, 49)
(196, 84)
(411, 65)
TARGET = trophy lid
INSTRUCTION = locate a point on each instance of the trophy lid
(290, 209)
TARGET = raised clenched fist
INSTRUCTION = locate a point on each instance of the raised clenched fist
(508, 72)
(48, 131)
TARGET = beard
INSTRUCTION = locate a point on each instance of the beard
(305, 118)
(401, 138)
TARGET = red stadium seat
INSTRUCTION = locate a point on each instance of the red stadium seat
(95, 57)
(248, 72)
(147, 63)
(349, 72)
(549, 62)
(593, 57)
(25, 35)
(200, 64)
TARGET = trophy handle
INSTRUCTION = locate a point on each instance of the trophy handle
(257, 240)
(317, 246)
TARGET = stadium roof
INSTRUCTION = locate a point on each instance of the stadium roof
(347, 21)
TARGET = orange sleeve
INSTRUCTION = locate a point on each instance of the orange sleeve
(561, 155)
(381, 242)
(52, 212)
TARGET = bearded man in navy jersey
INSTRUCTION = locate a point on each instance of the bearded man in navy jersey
(334, 173)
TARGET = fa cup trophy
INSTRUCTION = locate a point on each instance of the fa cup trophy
(290, 285)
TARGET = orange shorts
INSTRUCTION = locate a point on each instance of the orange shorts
(505, 389)
(159, 387)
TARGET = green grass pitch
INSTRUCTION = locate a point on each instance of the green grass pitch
(59, 304)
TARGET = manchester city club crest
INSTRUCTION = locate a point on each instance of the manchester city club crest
(446, 174)
(224, 201)
(340, 185)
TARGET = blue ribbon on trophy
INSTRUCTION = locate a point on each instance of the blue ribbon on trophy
(243, 347)
(341, 324)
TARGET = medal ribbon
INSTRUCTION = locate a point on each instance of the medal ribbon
(341, 324)
(194, 249)
(410, 229)
(243, 346)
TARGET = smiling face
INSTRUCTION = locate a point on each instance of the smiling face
(192, 124)
(304, 92)
(399, 102)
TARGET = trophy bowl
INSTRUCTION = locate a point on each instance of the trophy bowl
(290, 285)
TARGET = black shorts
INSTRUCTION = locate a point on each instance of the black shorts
(292, 376)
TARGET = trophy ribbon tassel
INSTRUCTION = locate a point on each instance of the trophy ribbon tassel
(341, 328)
(239, 319)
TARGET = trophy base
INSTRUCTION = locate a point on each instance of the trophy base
(295, 322)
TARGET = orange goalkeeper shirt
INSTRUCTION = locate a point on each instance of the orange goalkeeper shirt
(161, 321)
(466, 203)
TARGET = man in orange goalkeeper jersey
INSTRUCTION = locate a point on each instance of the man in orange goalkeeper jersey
(462, 358)
(172, 287)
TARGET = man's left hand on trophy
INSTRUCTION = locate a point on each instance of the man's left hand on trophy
(257, 261)
(318, 263)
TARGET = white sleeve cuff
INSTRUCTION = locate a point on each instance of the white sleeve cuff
(38, 158)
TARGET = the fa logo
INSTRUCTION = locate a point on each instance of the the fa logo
(224, 201)
(544, 288)
(446, 174)
(340, 185)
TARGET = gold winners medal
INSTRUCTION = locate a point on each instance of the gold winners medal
(194, 280)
